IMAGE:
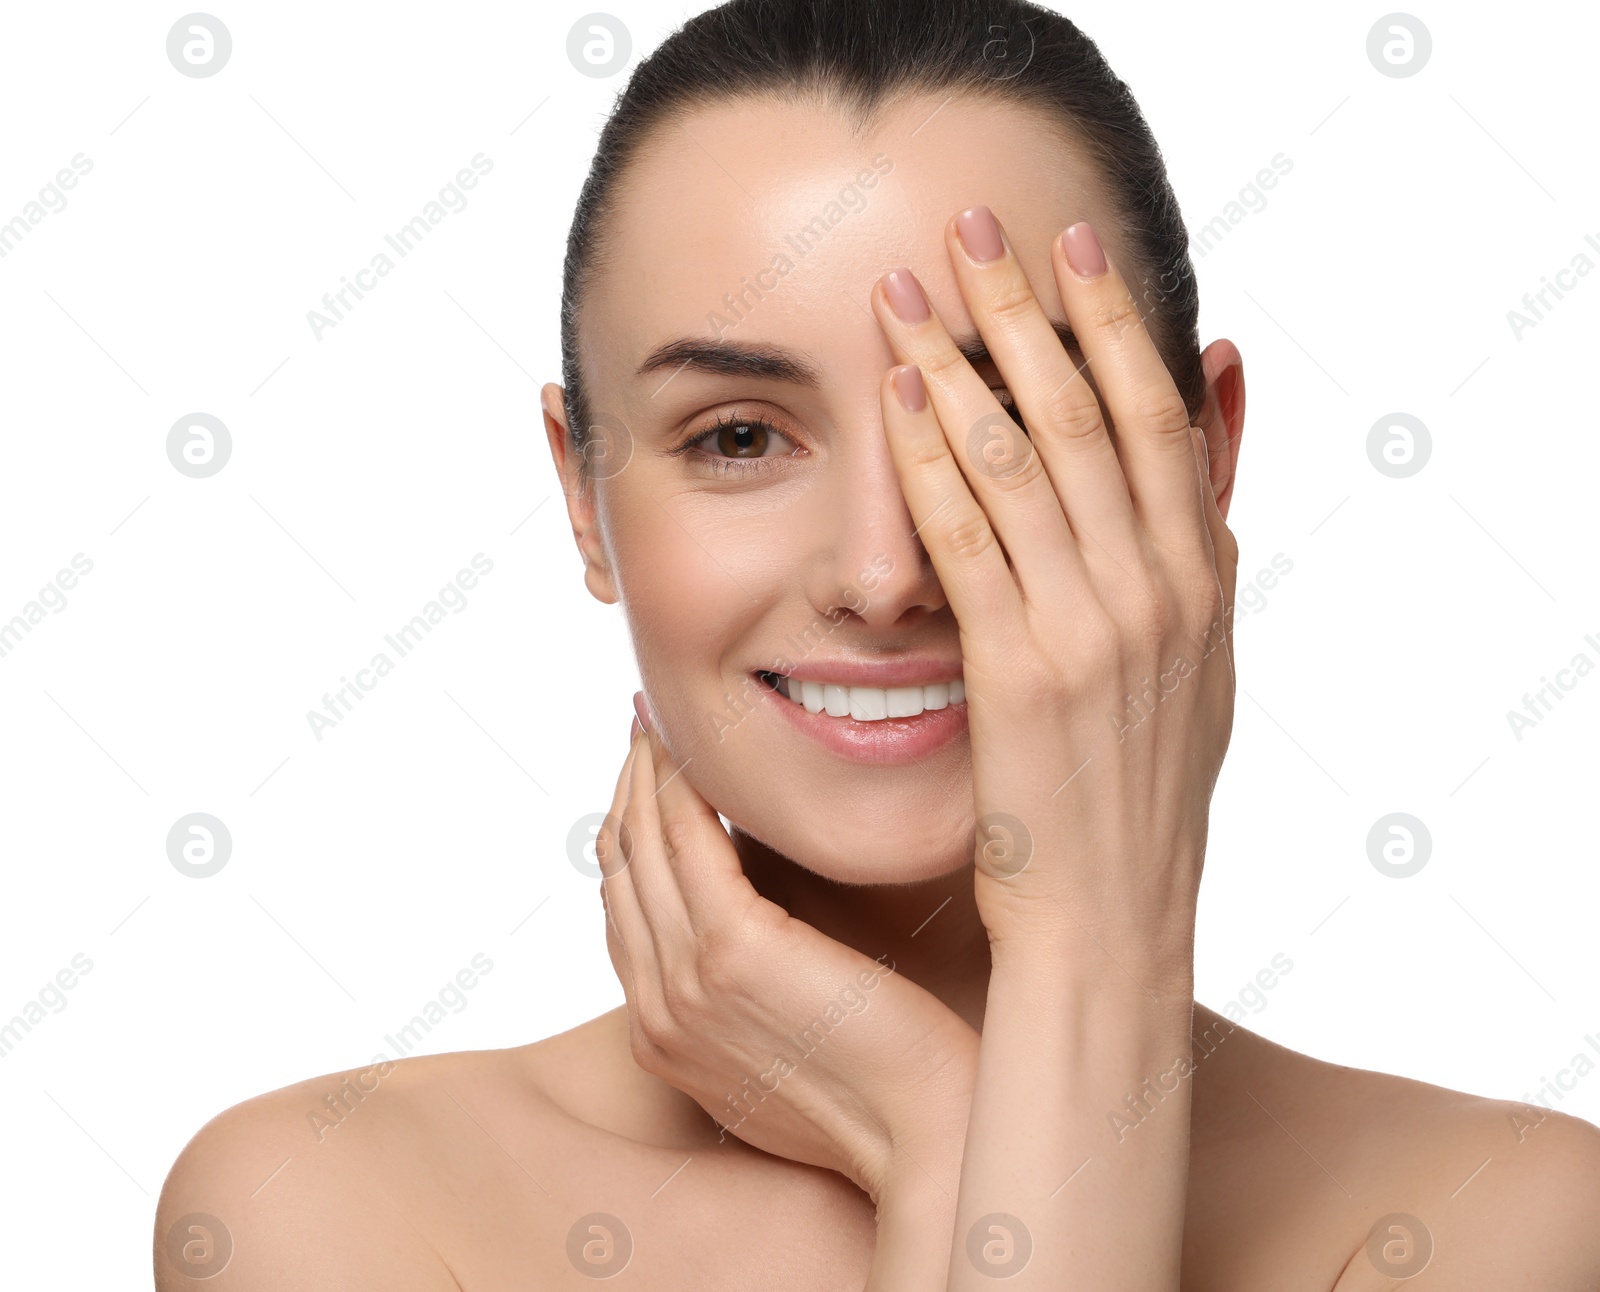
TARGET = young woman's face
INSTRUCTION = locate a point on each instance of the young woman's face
(766, 225)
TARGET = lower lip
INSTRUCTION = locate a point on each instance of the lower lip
(886, 742)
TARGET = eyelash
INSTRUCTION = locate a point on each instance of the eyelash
(725, 466)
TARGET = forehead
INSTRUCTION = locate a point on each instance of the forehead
(764, 220)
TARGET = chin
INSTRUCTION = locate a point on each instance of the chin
(879, 849)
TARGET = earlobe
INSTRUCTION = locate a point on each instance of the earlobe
(1223, 419)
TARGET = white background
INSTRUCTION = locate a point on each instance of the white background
(370, 465)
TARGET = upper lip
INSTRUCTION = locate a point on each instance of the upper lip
(908, 670)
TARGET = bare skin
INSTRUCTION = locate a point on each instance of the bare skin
(466, 1171)
(471, 1170)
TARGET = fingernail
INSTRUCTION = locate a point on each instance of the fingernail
(634, 730)
(908, 388)
(1083, 250)
(642, 709)
(979, 234)
(905, 296)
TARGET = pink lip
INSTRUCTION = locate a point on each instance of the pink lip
(887, 742)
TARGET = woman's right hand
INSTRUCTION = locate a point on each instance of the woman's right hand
(721, 984)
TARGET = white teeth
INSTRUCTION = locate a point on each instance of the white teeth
(837, 700)
(871, 703)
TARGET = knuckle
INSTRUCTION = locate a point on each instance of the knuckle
(677, 836)
(1024, 475)
(969, 536)
(941, 359)
(927, 455)
(1203, 598)
(1074, 413)
(1162, 410)
(1117, 316)
(1148, 624)
(1012, 302)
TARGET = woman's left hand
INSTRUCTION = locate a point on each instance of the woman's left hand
(1092, 578)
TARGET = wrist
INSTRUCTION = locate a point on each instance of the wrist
(1055, 956)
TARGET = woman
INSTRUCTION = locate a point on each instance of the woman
(881, 370)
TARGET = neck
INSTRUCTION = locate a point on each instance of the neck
(930, 931)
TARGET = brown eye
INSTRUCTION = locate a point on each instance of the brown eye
(735, 445)
(742, 439)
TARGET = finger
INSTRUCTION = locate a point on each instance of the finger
(649, 869)
(992, 455)
(952, 526)
(710, 879)
(1151, 420)
(1061, 411)
(1224, 546)
(614, 845)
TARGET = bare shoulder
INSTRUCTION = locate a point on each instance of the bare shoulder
(425, 1174)
(1393, 1178)
(325, 1184)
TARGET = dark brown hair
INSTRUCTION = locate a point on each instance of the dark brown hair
(859, 55)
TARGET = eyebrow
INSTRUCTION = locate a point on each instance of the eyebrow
(763, 361)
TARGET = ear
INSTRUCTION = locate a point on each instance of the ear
(582, 508)
(1223, 418)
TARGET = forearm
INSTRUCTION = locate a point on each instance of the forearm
(916, 1217)
(1078, 1137)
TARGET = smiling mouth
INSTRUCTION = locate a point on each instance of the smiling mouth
(865, 703)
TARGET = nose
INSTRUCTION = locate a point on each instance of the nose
(870, 559)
